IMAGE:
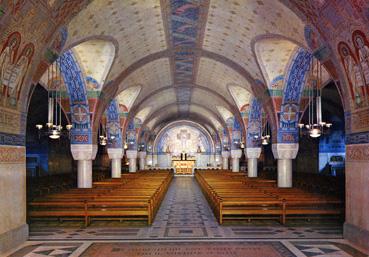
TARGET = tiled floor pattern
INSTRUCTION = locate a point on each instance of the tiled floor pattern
(183, 214)
(195, 248)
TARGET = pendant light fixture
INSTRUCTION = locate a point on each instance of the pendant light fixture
(315, 126)
(265, 136)
(54, 128)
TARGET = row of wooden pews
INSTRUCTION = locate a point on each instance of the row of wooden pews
(134, 196)
(234, 196)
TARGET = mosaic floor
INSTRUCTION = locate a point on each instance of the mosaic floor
(185, 226)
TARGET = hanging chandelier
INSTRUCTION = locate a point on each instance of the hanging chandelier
(103, 139)
(54, 128)
(265, 136)
(315, 126)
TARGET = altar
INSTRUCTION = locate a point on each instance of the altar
(183, 167)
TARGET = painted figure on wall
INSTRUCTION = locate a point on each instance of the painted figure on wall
(362, 52)
(13, 69)
(353, 73)
(19, 71)
(8, 55)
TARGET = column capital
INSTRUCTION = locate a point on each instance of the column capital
(285, 151)
(83, 151)
(115, 153)
(225, 154)
(142, 154)
(236, 153)
(253, 152)
(131, 154)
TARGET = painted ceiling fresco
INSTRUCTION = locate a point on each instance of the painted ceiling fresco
(160, 100)
(199, 96)
(151, 76)
(217, 76)
(240, 95)
(231, 26)
(225, 113)
(273, 56)
(137, 26)
(141, 115)
(138, 29)
(128, 96)
(202, 111)
(95, 58)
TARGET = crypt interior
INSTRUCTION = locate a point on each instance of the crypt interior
(184, 128)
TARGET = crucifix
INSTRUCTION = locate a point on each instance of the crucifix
(184, 136)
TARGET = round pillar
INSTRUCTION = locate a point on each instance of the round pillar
(84, 154)
(142, 160)
(116, 167)
(252, 167)
(235, 164)
(284, 172)
(116, 155)
(225, 156)
(252, 154)
(132, 159)
(285, 153)
(132, 164)
(236, 155)
(84, 174)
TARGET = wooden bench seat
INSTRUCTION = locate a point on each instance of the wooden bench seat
(135, 196)
(235, 196)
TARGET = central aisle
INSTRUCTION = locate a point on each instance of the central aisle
(185, 214)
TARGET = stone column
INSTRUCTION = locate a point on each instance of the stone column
(155, 160)
(142, 159)
(116, 155)
(285, 153)
(132, 159)
(212, 160)
(225, 156)
(84, 154)
(236, 155)
(252, 155)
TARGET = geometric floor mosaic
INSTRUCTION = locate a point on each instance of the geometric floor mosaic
(185, 226)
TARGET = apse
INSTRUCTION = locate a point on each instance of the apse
(183, 138)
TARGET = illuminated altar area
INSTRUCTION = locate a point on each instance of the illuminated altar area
(184, 146)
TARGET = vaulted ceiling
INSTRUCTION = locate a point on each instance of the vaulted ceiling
(183, 58)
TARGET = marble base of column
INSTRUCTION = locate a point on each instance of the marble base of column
(285, 173)
(84, 173)
(116, 167)
(235, 164)
(252, 167)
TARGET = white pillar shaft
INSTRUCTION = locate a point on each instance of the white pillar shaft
(284, 172)
(84, 173)
(252, 167)
(235, 164)
(142, 163)
(132, 165)
(116, 166)
(225, 163)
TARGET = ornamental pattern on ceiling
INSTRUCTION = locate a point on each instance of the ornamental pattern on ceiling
(151, 77)
(232, 26)
(217, 76)
(273, 56)
(137, 25)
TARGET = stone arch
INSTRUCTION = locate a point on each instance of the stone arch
(184, 122)
(113, 129)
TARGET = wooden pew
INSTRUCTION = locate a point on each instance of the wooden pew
(236, 196)
(135, 196)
